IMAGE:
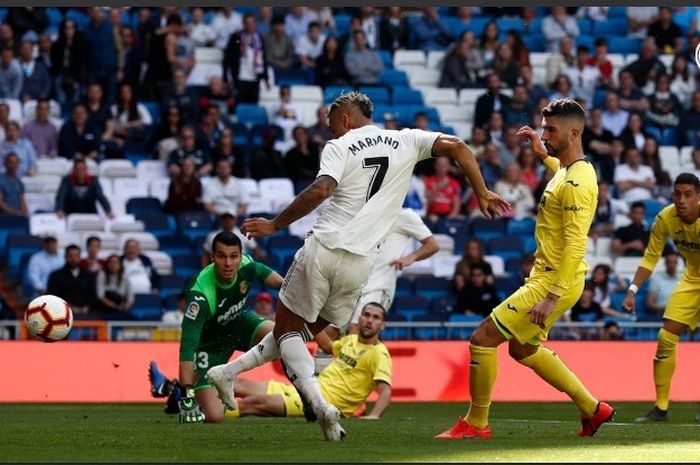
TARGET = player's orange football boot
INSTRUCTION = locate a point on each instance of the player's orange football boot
(462, 430)
(603, 414)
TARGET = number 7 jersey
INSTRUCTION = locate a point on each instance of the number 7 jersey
(373, 169)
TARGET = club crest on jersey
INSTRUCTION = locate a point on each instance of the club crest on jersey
(192, 311)
(243, 287)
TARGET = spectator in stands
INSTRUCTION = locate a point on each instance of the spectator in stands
(115, 296)
(188, 149)
(11, 77)
(223, 193)
(211, 128)
(102, 53)
(218, 94)
(518, 112)
(560, 60)
(184, 48)
(7, 36)
(278, 46)
(185, 190)
(320, 132)
(130, 118)
(661, 286)
(21, 147)
(477, 297)
(491, 164)
(613, 118)
(504, 65)
(99, 113)
(634, 181)
(41, 132)
(631, 98)
(510, 145)
(421, 121)
(477, 142)
(442, 192)
(461, 64)
(558, 24)
(24, 19)
(201, 33)
(600, 61)
(584, 77)
(535, 91)
(138, 268)
(302, 162)
(79, 192)
(612, 332)
(92, 263)
(330, 65)
(597, 143)
(12, 200)
(663, 190)
(521, 54)
(645, 68)
(226, 149)
(632, 239)
(530, 168)
(73, 284)
(228, 222)
(694, 166)
(393, 29)
(78, 138)
(179, 95)
(493, 100)
(634, 135)
(562, 88)
(323, 15)
(430, 32)
(682, 82)
(286, 114)
(244, 63)
(263, 306)
(164, 138)
(226, 23)
(603, 287)
(690, 121)
(488, 42)
(36, 82)
(296, 23)
(606, 211)
(586, 309)
(362, 64)
(308, 48)
(513, 190)
(368, 24)
(472, 256)
(664, 108)
(666, 32)
(266, 161)
(42, 264)
(639, 19)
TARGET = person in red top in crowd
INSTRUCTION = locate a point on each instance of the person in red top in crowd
(442, 192)
(601, 61)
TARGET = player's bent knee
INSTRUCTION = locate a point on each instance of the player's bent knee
(486, 334)
(519, 351)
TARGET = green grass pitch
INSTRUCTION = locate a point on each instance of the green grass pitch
(534, 432)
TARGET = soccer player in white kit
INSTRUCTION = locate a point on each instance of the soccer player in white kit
(366, 173)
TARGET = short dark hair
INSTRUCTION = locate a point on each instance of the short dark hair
(174, 18)
(227, 216)
(356, 99)
(583, 48)
(92, 239)
(378, 305)
(313, 24)
(565, 108)
(600, 41)
(71, 247)
(638, 205)
(688, 178)
(226, 238)
(277, 19)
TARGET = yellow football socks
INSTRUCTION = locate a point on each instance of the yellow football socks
(483, 369)
(664, 366)
(552, 369)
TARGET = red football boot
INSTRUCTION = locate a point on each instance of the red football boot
(603, 414)
(462, 430)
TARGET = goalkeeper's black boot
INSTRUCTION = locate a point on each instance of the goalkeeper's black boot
(171, 406)
(654, 414)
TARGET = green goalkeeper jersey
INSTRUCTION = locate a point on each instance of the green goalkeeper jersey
(215, 312)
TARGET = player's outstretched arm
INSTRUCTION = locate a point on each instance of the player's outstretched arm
(383, 401)
(457, 150)
(302, 205)
(640, 276)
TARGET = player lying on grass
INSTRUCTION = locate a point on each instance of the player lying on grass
(362, 364)
(215, 325)
(555, 284)
(681, 224)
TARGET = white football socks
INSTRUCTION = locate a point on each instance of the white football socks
(264, 351)
(300, 367)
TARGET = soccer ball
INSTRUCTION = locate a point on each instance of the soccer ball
(49, 318)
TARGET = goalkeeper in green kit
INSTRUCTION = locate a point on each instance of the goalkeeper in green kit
(215, 324)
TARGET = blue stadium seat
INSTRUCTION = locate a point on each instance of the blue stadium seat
(342, 23)
(137, 205)
(462, 333)
(171, 285)
(157, 223)
(523, 227)
(394, 78)
(587, 317)
(610, 27)
(194, 224)
(291, 77)
(404, 286)
(330, 93)
(587, 41)
(534, 42)
(488, 229)
(443, 305)
(452, 227)
(669, 136)
(506, 284)
(54, 15)
(429, 333)
(176, 244)
(170, 302)
(376, 94)
(512, 265)
(410, 306)
(476, 25)
(154, 110)
(624, 45)
(506, 247)
(249, 113)
(599, 98)
(11, 224)
(240, 134)
(506, 24)
(653, 207)
(284, 246)
(584, 26)
(257, 131)
(387, 59)
(186, 266)
(617, 12)
(273, 261)
(616, 299)
(147, 307)
(431, 287)
(381, 110)
(535, 27)
(389, 333)
(17, 245)
(80, 18)
(406, 96)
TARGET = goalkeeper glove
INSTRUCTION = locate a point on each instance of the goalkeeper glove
(189, 410)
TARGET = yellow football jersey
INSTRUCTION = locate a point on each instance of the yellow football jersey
(686, 238)
(352, 376)
(564, 217)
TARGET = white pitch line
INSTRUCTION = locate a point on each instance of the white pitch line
(615, 423)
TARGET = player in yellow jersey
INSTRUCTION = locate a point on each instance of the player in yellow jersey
(556, 282)
(680, 222)
(362, 364)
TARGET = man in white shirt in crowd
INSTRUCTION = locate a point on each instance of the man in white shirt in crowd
(310, 46)
(614, 119)
(639, 18)
(223, 193)
(226, 22)
(557, 25)
(661, 285)
(139, 269)
(42, 264)
(584, 77)
(634, 181)
(296, 23)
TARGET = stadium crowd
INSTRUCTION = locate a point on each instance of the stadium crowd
(93, 86)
